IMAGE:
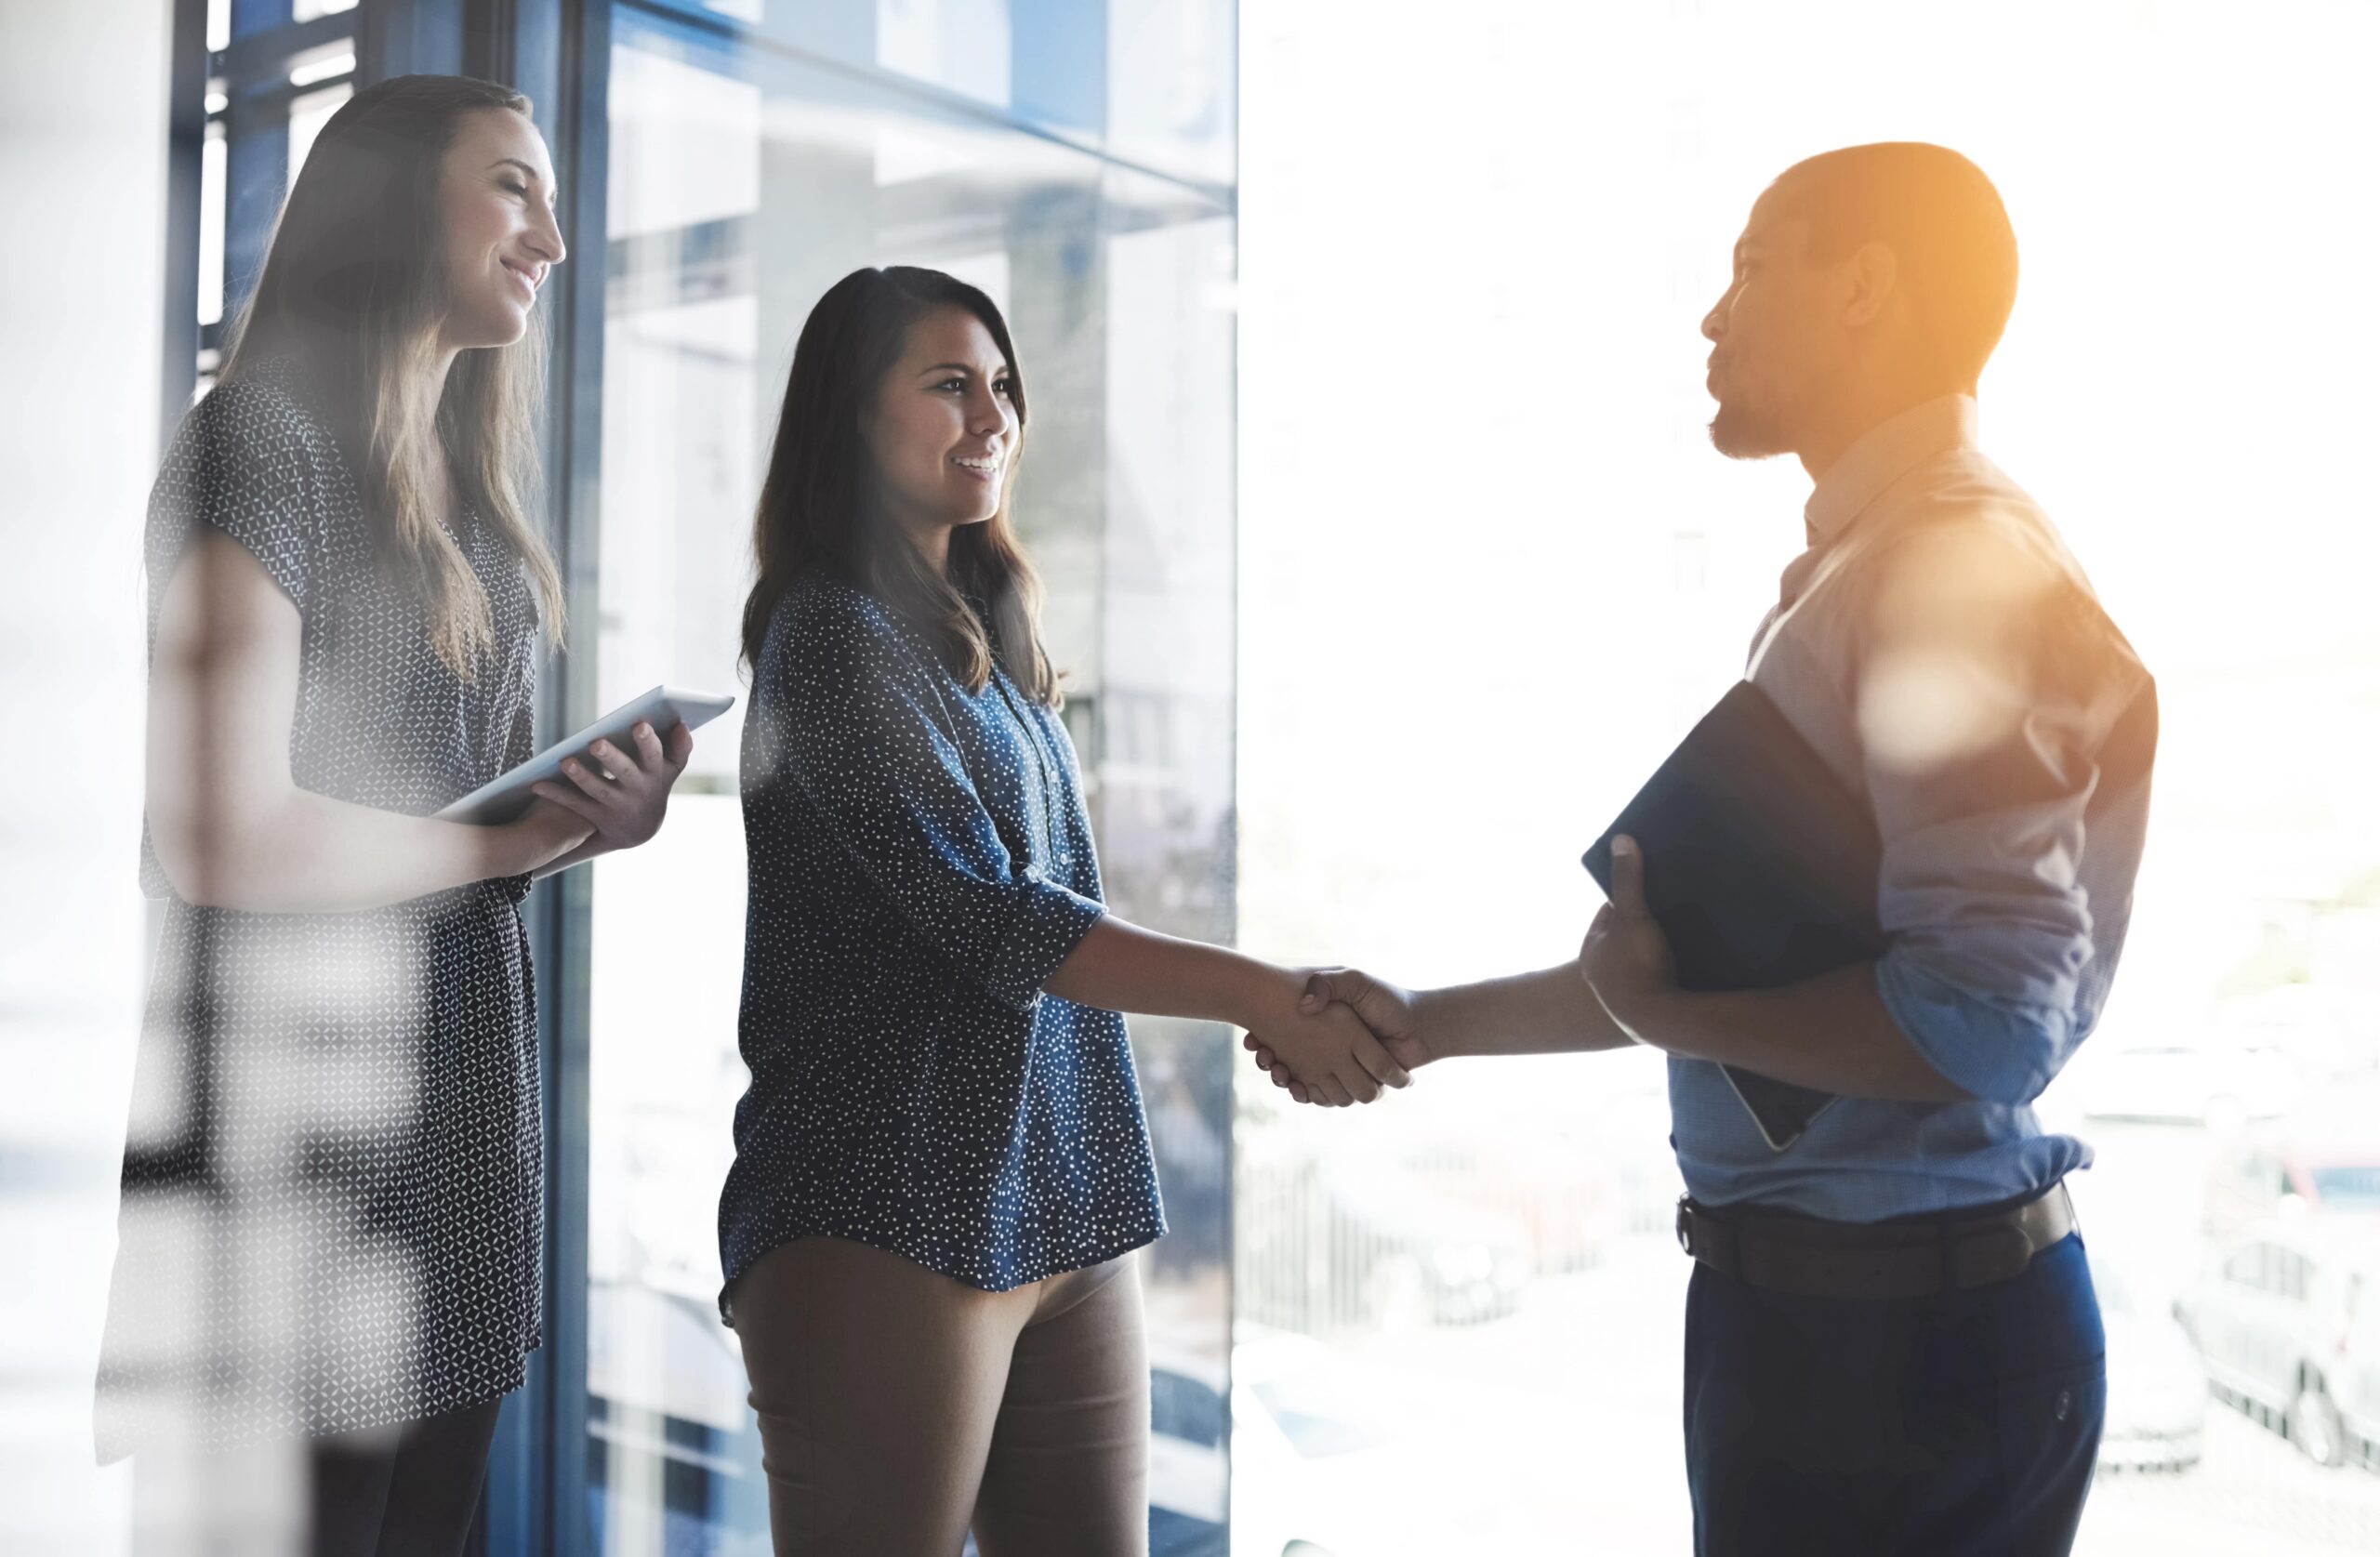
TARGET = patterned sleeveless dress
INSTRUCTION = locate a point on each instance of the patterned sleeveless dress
(332, 1195)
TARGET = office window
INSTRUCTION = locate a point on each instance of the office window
(275, 72)
(1464, 653)
(1151, 84)
(750, 168)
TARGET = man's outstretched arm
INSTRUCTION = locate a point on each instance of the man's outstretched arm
(1549, 1011)
(1832, 1033)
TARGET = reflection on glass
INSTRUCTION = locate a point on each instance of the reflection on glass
(1173, 88)
(321, 63)
(210, 225)
(1153, 82)
(743, 183)
(309, 112)
(959, 43)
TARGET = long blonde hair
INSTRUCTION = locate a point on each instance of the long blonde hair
(354, 287)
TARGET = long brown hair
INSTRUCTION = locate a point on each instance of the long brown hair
(819, 505)
(354, 287)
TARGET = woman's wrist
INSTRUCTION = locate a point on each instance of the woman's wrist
(541, 837)
(1259, 995)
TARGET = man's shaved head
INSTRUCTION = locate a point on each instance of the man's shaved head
(1944, 222)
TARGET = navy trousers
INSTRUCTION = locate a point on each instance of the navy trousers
(1961, 1425)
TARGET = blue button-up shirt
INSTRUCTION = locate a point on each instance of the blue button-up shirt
(1941, 649)
(920, 863)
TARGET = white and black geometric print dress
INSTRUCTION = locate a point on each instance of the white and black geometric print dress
(921, 862)
(332, 1197)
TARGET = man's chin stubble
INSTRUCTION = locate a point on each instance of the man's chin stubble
(1737, 443)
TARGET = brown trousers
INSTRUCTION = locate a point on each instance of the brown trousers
(899, 1407)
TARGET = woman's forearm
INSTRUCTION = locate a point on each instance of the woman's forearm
(1121, 967)
(312, 854)
(579, 855)
(229, 823)
(1549, 1011)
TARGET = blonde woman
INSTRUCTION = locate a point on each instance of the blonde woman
(327, 1277)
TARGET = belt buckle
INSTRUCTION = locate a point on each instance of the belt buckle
(1685, 1223)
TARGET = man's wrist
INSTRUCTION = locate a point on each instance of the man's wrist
(1437, 1037)
(1667, 1020)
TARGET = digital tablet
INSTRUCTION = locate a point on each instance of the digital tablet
(504, 797)
(1762, 872)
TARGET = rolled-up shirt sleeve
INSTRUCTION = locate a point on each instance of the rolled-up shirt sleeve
(1981, 766)
(866, 743)
(1986, 957)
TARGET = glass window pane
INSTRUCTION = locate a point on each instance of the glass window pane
(321, 63)
(1046, 63)
(963, 45)
(210, 225)
(1173, 88)
(309, 112)
(743, 183)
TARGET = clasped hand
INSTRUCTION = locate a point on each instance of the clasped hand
(1625, 958)
(622, 794)
(1296, 1053)
(1624, 961)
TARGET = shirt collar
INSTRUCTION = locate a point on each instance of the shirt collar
(1881, 456)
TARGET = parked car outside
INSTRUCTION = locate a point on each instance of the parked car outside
(2282, 1318)
(1323, 1449)
(2211, 1076)
(1553, 1187)
(2156, 1386)
(2325, 1163)
(1189, 1478)
(1360, 1239)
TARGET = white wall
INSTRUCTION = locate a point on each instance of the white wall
(82, 208)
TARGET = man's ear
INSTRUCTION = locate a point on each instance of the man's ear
(1874, 273)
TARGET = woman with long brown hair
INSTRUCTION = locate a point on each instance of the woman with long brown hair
(329, 1270)
(942, 1164)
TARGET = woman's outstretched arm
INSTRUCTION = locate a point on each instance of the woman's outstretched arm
(1121, 967)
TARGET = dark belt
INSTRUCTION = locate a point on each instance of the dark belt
(1783, 1251)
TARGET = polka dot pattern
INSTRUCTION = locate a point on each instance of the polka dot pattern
(332, 1183)
(921, 862)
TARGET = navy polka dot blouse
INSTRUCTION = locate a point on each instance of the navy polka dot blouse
(921, 862)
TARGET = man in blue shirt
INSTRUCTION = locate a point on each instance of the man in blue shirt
(1892, 1343)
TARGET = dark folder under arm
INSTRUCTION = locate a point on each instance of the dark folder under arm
(1761, 868)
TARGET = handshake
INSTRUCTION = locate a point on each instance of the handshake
(1342, 1036)
(1349, 1036)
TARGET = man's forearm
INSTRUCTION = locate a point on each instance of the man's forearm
(1832, 1033)
(1550, 1011)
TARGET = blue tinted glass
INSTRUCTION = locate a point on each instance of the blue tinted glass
(746, 175)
